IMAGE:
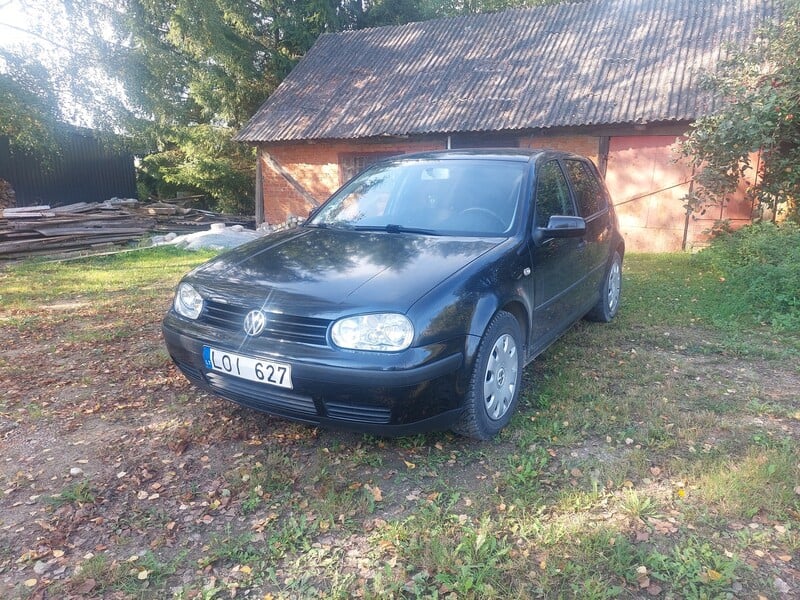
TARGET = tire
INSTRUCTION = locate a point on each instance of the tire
(608, 304)
(494, 387)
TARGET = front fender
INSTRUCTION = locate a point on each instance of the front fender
(485, 309)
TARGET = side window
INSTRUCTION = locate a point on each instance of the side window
(589, 192)
(552, 194)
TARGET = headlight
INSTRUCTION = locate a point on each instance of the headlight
(381, 332)
(188, 302)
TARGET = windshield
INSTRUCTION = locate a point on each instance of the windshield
(441, 197)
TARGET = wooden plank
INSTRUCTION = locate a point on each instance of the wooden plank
(86, 221)
(29, 215)
(64, 231)
(78, 207)
(23, 209)
(22, 246)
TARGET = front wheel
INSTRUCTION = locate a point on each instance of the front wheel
(608, 304)
(494, 388)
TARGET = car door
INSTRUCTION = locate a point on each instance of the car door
(592, 201)
(556, 272)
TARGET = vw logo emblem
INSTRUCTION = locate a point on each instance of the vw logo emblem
(254, 322)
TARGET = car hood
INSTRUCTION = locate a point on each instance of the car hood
(326, 271)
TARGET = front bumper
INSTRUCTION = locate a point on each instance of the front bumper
(417, 390)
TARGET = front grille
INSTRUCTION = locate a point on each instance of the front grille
(260, 396)
(291, 328)
(358, 413)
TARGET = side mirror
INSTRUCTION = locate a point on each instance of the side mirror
(560, 226)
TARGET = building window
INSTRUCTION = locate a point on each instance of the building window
(352, 163)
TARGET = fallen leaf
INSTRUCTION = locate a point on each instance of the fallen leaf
(30, 582)
(142, 575)
(377, 495)
(86, 587)
(410, 465)
(641, 577)
(653, 589)
(781, 585)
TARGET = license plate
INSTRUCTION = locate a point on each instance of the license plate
(246, 367)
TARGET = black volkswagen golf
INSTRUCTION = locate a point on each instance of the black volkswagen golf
(412, 299)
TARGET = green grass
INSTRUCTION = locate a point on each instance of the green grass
(80, 492)
(82, 283)
(132, 578)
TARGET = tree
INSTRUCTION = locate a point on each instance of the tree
(28, 105)
(755, 131)
(184, 76)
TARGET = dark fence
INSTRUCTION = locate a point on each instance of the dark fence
(84, 171)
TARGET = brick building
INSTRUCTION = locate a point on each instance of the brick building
(615, 80)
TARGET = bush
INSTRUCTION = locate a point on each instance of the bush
(760, 265)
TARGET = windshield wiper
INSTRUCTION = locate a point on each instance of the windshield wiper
(392, 228)
(331, 225)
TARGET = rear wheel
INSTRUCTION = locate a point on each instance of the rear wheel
(608, 304)
(494, 387)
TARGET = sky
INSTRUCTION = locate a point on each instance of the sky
(16, 16)
(19, 21)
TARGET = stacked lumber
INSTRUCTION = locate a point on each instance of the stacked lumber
(36, 230)
(91, 226)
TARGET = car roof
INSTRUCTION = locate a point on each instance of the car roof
(518, 154)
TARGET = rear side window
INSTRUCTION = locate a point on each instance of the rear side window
(589, 192)
(552, 194)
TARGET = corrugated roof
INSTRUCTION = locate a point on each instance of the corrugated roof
(575, 64)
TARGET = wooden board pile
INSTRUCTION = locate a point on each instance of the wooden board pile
(42, 230)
